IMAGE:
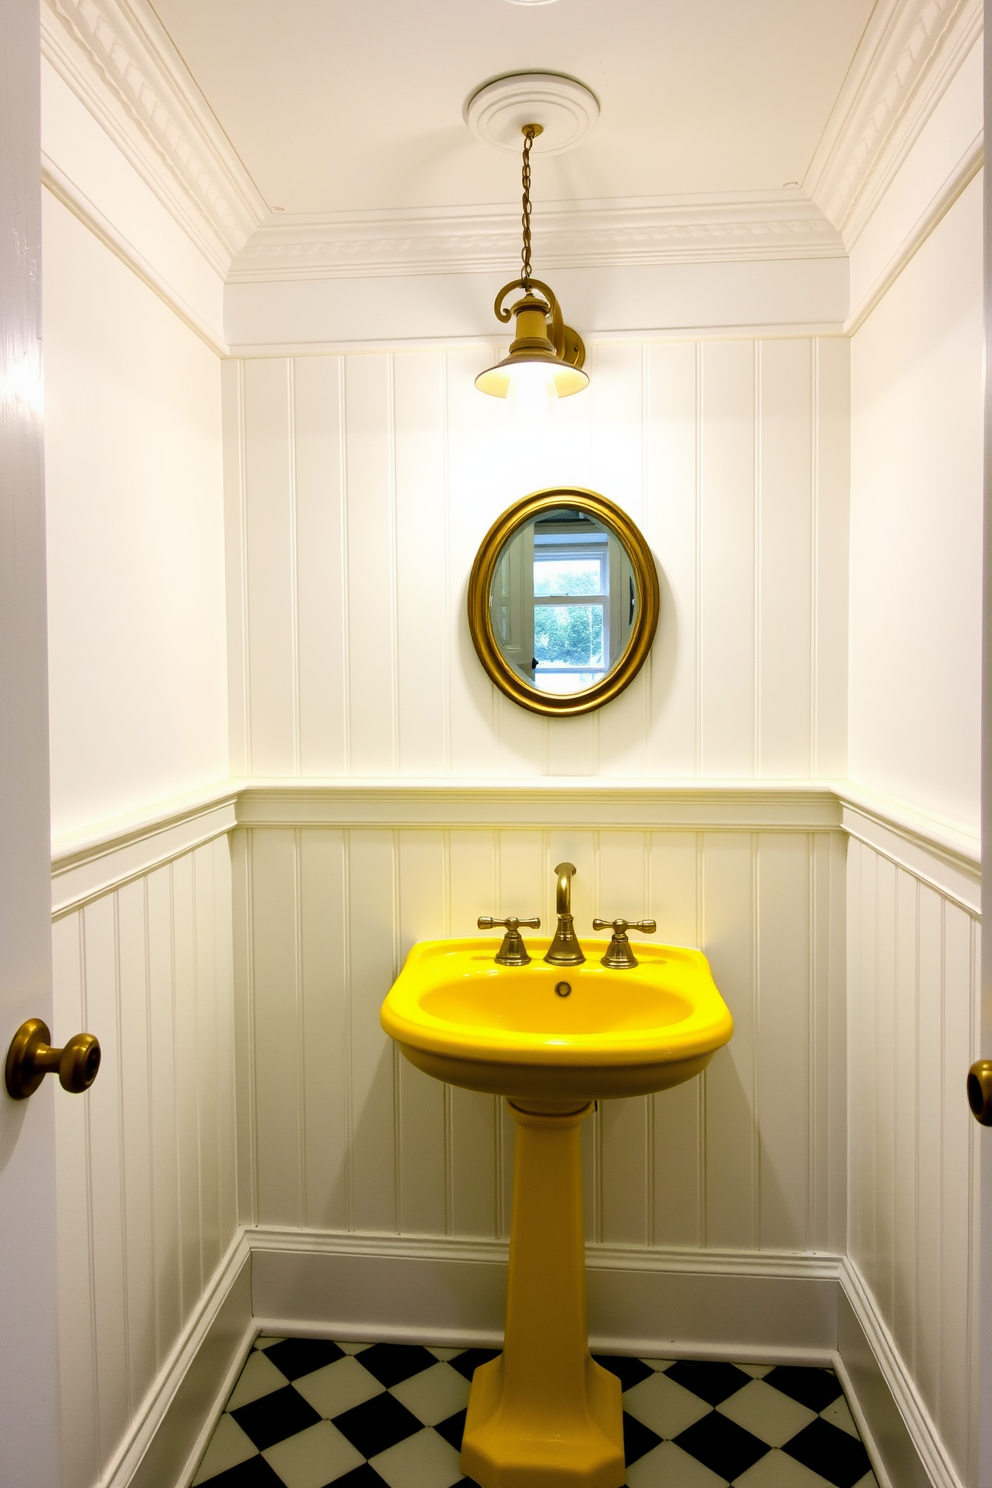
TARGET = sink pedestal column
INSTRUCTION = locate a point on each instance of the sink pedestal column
(545, 1414)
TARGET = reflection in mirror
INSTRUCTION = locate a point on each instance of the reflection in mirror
(563, 601)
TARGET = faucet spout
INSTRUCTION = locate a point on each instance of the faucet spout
(563, 894)
(564, 950)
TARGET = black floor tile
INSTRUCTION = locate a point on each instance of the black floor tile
(468, 1362)
(453, 1429)
(390, 1363)
(275, 1416)
(721, 1445)
(814, 1388)
(359, 1477)
(377, 1424)
(713, 1383)
(255, 1473)
(638, 1439)
(296, 1357)
(629, 1372)
(832, 1453)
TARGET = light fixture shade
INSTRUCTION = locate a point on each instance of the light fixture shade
(533, 346)
(496, 380)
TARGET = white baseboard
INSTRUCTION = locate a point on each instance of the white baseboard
(173, 1424)
(764, 1308)
(896, 1420)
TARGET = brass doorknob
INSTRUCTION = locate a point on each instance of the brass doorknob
(30, 1058)
(980, 1091)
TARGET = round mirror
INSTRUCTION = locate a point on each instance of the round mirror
(563, 601)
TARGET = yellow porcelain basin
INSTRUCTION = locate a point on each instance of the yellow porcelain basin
(506, 1030)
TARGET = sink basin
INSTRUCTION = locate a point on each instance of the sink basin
(552, 1040)
(505, 1029)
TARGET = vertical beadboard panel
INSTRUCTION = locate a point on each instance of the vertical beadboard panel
(372, 565)
(270, 542)
(324, 1028)
(360, 487)
(912, 995)
(785, 560)
(371, 929)
(671, 514)
(146, 1159)
(729, 455)
(422, 598)
(830, 517)
(728, 1092)
(321, 564)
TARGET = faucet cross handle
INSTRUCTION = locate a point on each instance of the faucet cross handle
(512, 952)
(619, 955)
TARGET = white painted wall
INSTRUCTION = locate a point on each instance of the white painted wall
(359, 488)
(137, 638)
(916, 527)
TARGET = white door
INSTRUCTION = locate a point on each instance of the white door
(985, 1150)
(29, 1454)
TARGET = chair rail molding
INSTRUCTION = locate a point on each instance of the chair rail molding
(909, 54)
(117, 58)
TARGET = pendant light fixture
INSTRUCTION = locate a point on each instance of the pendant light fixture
(546, 356)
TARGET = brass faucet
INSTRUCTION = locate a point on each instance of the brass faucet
(564, 950)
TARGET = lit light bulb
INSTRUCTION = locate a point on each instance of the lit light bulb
(532, 393)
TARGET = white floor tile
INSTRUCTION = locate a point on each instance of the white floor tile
(768, 1414)
(337, 1387)
(658, 1363)
(352, 1348)
(839, 1414)
(443, 1353)
(434, 1394)
(422, 1461)
(313, 1457)
(266, 1340)
(228, 1446)
(669, 1467)
(756, 1371)
(664, 1405)
(777, 1470)
(259, 1377)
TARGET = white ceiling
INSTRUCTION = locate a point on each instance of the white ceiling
(345, 105)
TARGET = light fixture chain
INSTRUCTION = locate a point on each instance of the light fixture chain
(529, 135)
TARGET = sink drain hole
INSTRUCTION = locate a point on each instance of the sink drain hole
(563, 989)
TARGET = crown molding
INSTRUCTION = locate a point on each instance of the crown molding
(120, 63)
(646, 230)
(909, 54)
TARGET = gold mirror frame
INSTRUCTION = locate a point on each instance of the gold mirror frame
(509, 681)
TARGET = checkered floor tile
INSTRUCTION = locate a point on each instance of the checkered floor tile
(308, 1413)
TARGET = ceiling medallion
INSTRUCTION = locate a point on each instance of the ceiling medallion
(566, 109)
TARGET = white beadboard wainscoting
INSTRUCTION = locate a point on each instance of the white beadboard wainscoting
(360, 486)
(153, 1287)
(256, 1151)
(913, 1009)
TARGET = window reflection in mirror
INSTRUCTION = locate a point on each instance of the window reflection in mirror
(563, 601)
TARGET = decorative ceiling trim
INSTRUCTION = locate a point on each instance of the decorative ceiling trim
(119, 61)
(910, 52)
(778, 225)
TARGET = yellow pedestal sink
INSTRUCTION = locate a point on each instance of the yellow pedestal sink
(552, 1040)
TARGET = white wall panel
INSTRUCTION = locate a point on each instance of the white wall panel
(360, 487)
(146, 1176)
(912, 999)
(135, 519)
(348, 1136)
(916, 523)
